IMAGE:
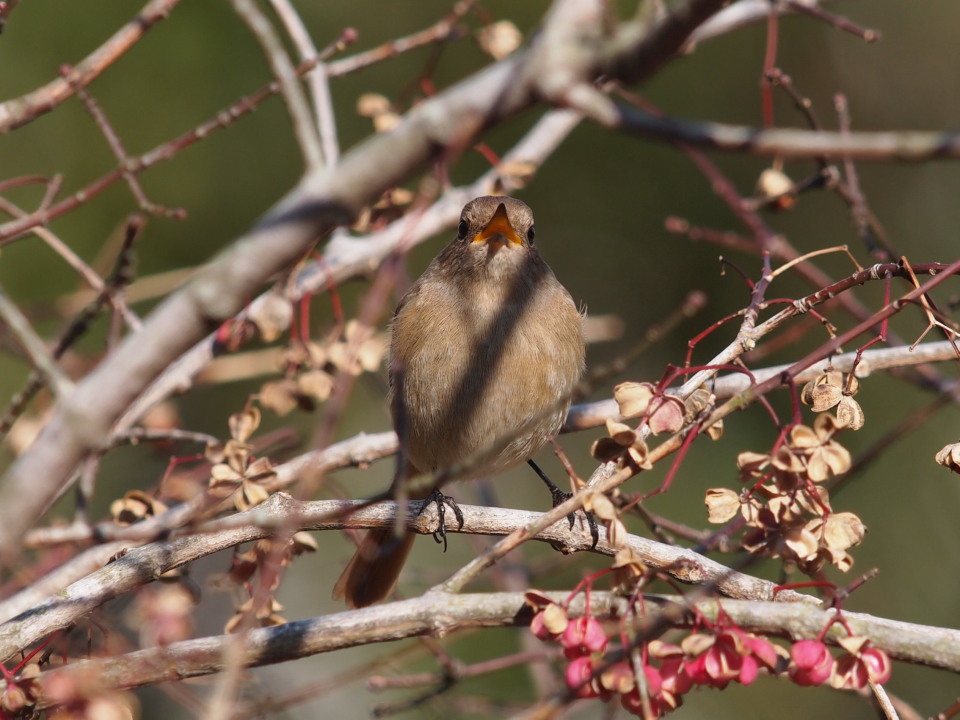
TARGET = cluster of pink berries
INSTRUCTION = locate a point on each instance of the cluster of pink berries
(812, 664)
(714, 658)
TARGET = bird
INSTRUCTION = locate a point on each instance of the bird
(486, 348)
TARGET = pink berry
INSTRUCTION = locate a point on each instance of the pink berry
(582, 637)
(877, 663)
(579, 677)
(812, 662)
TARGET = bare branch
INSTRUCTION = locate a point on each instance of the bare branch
(908, 145)
(745, 12)
(439, 614)
(19, 111)
(36, 349)
(281, 512)
(317, 78)
(286, 75)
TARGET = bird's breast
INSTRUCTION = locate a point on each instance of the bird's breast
(486, 374)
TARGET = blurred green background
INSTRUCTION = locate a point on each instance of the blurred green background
(600, 203)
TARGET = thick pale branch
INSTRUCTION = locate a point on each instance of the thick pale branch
(283, 513)
(79, 566)
(907, 145)
(438, 614)
(596, 413)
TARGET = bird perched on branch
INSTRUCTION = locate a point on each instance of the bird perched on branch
(486, 348)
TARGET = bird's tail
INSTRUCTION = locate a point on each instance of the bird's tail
(373, 571)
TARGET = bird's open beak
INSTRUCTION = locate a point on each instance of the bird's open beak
(499, 230)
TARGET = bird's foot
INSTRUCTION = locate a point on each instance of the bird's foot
(442, 501)
(560, 497)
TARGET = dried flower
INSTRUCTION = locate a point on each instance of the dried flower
(849, 414)
(281, 396)
(164, 615)
(361, 349)
(949, 456)
(622, 440)
(266, 615)
(665, 415)
(499, 39)
(370, 104)
(633, 398)
(722, 504)
(824, 456)
(774, 185)
(134, 506)
(832, 389)
(618, 678)
(235, 471)
(23, 690)
(550, 620)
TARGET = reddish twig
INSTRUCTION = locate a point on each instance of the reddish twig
(838, 21)
(20, 111)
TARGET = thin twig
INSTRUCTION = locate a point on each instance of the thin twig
(19, 111)
(838, 21)
(858, 206)
(286, 74)
(116, 146)
(317, 79)
(36, 349)
(883, 700)
(81, 323)
(443, 29)
(89, 275)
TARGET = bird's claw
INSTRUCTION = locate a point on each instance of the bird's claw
(559, 497)
(442, 501)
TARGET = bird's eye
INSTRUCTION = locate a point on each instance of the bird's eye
(531, 234)
(462, 229)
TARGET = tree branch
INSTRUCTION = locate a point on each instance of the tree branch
(282, 513)
(906, 145)
(438, 614)
(20, 111)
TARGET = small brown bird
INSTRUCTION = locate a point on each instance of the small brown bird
(486, 348)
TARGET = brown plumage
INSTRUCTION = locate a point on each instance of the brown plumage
(485, 350)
